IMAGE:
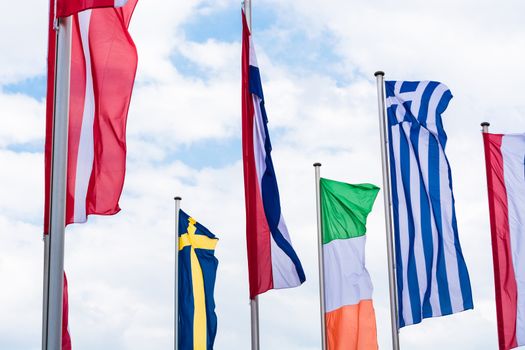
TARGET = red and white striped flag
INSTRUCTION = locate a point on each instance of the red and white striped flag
(505, 161)
(103, 66)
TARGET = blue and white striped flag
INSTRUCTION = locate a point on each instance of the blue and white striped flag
(432, 278)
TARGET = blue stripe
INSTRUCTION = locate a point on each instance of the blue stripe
(272, 205)
(426, 229)
(255, 82)
(413, 285)
(464, 279)
(395, 209)
(409, 86)
(425, 100)
(442, 105)
(269, 189)
(435, 198)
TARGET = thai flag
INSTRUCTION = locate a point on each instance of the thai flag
(505, 160)
(272, 261)
(432, 276)
(103, 66)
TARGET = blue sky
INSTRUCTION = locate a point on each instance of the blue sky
(317, 61)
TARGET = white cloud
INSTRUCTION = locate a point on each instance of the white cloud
(120, 268)
(22, 120)
(24, 39)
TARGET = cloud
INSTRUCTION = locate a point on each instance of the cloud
(317, 62)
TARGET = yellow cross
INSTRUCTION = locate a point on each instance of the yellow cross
(197, 242)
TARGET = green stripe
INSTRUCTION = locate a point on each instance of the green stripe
(344, 208)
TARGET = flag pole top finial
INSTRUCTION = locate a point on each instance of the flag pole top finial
(177, 198)
(379, 72)
(317, 164)
(485, 124)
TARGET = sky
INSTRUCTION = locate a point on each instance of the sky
(317, 61)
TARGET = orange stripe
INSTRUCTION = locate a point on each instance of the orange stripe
(352, 327)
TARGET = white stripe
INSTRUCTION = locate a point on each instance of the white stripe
(346, 279)
(415, 203)
(449, 241)
(403, 225)
(513, 152)
(259, 138)
(437, 94)
(423, 158)
(253, 57)
(120, 3)
(85, 147)
(283, 269)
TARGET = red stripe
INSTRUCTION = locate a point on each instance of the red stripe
(257, 231)
(504, 277)
(69, 7)
(113, 63)
(66, 337)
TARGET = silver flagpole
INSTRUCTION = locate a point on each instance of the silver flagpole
(45, 304)
(176, 303)
(54, 244)
(254, 313)
(387, 194)
(485, 127)
(320, 257)
(247, 6)
(254, 303)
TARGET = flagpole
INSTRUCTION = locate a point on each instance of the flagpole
(54, 244)
(485, 127)
(176, 264)
(254, 303)
(387, 194)
(320, 256)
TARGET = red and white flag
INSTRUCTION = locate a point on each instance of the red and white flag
(103, 66)
(505, 162)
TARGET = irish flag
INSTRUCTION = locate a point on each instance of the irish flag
(505, 161)
(350, 316)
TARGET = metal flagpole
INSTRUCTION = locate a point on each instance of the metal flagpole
(320, 257)
(485, 126)
(54, 244)
(254, 303)
(387, 194)
(45, 304)
(254, 313)
(176, 301)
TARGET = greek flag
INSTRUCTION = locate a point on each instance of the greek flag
(432, 277)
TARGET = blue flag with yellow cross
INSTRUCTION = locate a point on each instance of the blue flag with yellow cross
(197, 271)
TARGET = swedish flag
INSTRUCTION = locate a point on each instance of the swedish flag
(197, 271)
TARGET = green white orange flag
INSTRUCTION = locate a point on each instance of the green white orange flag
(350, 316)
